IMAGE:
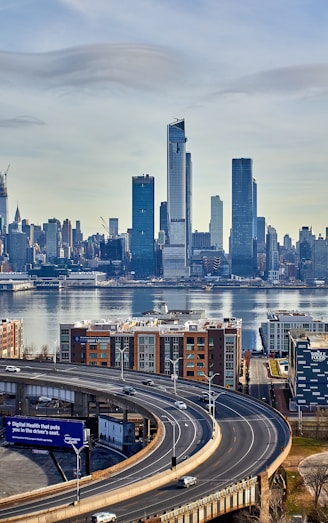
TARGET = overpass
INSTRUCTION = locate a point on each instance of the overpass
(209, 503)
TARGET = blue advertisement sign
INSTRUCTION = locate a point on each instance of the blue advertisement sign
(45, 432)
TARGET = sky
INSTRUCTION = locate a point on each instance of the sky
(87, 89)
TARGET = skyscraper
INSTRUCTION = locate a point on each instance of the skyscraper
(243, 210)
(113, 227)
(53, 239)
(272, 254)
(163, 219)
(216, 223)
(178, 197)
(142, 241)
(3, 202)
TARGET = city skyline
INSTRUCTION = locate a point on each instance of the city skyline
(87, 92)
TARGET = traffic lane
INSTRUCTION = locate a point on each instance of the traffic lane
(232, 461)
(160, 459)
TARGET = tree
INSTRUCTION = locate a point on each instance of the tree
(316, 476)
(44, 352)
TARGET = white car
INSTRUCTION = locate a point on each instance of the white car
(103, 517)
(148, 381)
(44, 399)
(12, 368)
(180, 405)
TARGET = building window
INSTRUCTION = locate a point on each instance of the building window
(201, 343)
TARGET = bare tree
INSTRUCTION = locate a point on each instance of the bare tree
(44, 352)
(277, 510)
(316, 476)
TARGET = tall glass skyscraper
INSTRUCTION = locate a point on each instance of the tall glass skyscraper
(178, 198)
(243, 255)
(216, 224)
(3, 203)
(142, 240)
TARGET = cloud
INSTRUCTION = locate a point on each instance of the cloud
(133, 66)
(309, 80)
(21, 121)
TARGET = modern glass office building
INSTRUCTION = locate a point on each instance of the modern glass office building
(243, 257)
(3, 203)
(142, 240)
(178, 193)
(216, 224)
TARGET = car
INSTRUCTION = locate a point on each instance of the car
(180, 405)
(102, 517)
(187, 481)
(148, 381)
(130, 391)
(44, 399)
(12, 368)
(205, 396)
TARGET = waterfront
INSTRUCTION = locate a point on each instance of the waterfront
(43, 310)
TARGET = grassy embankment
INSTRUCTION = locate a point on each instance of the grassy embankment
(299, 499)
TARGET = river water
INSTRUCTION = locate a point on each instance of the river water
(43, 310)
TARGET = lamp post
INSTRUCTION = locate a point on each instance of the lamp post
(175, 375)
(78, 461)
(122, 360)
(174, 458)
(210, 398)
(55, 355)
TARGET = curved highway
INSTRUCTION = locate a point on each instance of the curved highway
(252, 437)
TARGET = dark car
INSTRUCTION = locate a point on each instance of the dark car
(130, 391)
(148, 381)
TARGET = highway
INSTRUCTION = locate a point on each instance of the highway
(252, 437)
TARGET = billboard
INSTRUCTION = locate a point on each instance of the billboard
(47, 432)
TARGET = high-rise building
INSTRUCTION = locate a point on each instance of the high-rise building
(216, 223)
(272, 254)
(260, 234)
(188, 207)
(242, 234)
(67, 237)
(17, 250)
(113, 227)
(305, 253)
(178, 197)
(320, 258)
(53, 239)
(3, 202)
(142, 241)
(163, 220)
(77, 233)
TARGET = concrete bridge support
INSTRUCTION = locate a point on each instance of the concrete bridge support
(81, 404)
(265, 494)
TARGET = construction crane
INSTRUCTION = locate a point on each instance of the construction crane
(105, 226)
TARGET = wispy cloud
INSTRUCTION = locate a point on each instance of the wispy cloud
(305, 80)
(21, 121)
(128, 65)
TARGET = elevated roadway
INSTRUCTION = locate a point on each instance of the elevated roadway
(254, 439)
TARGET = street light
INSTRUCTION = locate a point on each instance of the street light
(210, 398)
(55, 354)
(174, 458)
(122, 360)
(78, 461)
(175, 375)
